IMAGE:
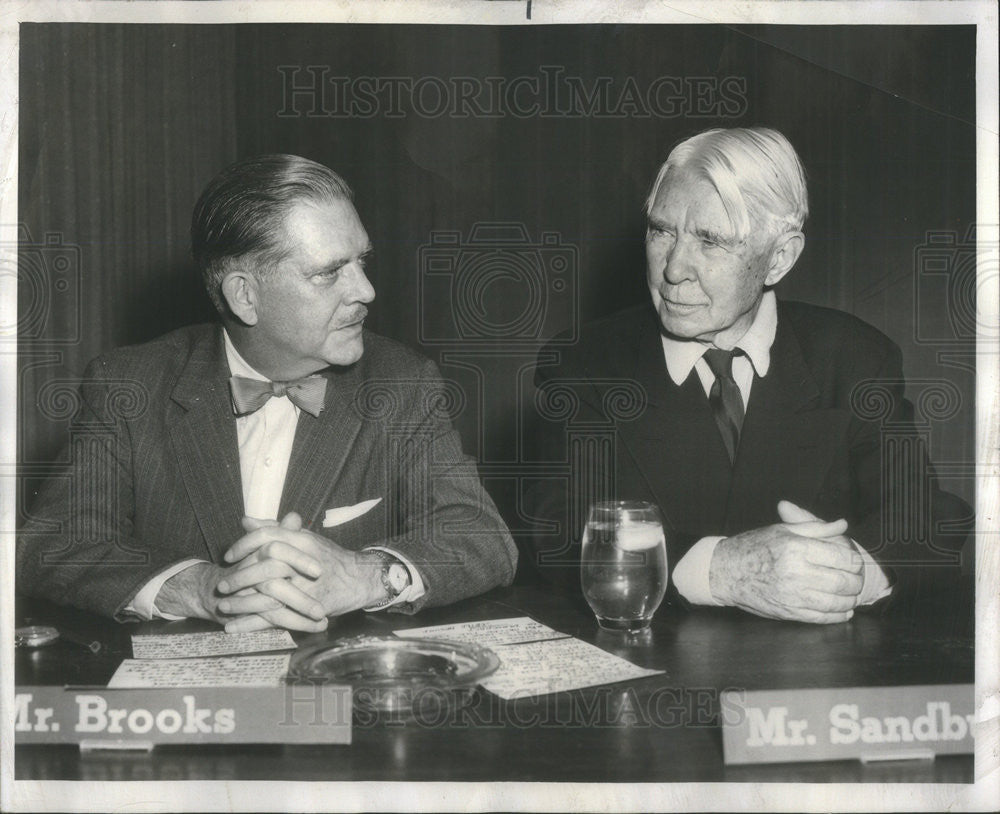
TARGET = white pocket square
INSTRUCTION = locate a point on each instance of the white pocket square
(339, 516)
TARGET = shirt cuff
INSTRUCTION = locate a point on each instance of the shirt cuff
(412, 592)
(876, 584)
(143, 604)
(691, 573)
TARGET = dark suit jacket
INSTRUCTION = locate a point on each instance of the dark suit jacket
(154, 475)
(827, 428)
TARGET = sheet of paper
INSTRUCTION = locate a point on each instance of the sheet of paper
(539, 668)
(489, 633)
(231, 671)
(216, 643)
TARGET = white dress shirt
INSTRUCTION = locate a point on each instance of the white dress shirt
(691, 573)
(265, 439)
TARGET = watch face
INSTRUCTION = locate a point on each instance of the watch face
(399, 577)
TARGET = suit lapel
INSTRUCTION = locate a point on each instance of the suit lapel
(680, 454)
(676, 443)
(205, 444)
(322, 448)
(781, 445)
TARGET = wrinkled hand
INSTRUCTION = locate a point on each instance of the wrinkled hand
(802, 569)
(310, 575)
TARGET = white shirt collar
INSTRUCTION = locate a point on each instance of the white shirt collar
(682, 355)
(238, 366)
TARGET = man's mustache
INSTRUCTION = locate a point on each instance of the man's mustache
(357, 316)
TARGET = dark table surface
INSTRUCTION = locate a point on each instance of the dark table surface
(657, 729)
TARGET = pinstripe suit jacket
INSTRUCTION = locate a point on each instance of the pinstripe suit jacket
(154, 475)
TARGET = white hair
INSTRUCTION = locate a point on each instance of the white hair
(756, 172)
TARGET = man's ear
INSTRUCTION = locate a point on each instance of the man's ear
(240, 291)
(784, 253)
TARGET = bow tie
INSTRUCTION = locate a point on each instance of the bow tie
(249, 395)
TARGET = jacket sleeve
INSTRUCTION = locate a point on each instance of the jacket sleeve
(77, 546)
(910, 526)
(444, 522)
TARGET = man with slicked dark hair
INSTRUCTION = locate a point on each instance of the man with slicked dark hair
(276, 469)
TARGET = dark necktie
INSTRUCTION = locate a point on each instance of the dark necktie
(725, 398)
(249, 395)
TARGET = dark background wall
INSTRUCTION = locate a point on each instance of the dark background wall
(122, 125)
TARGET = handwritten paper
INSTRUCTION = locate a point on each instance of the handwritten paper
(540, 668)
(534, 658)
(216, 643)
(231, 671)
(489, 633)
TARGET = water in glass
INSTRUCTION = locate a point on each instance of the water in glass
(624, 569)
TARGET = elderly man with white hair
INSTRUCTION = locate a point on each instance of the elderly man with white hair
(745, 433)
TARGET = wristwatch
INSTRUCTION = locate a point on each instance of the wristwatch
(395, 576)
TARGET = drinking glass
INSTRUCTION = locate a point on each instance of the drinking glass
(624, 565)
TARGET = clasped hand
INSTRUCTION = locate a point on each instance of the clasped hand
(285, 576)
(801, 569)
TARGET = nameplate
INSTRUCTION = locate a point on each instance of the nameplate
(866, 723)
(138, 718)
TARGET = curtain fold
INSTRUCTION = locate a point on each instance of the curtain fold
(120, 128)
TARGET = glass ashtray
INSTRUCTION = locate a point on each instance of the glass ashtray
(397, 676)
